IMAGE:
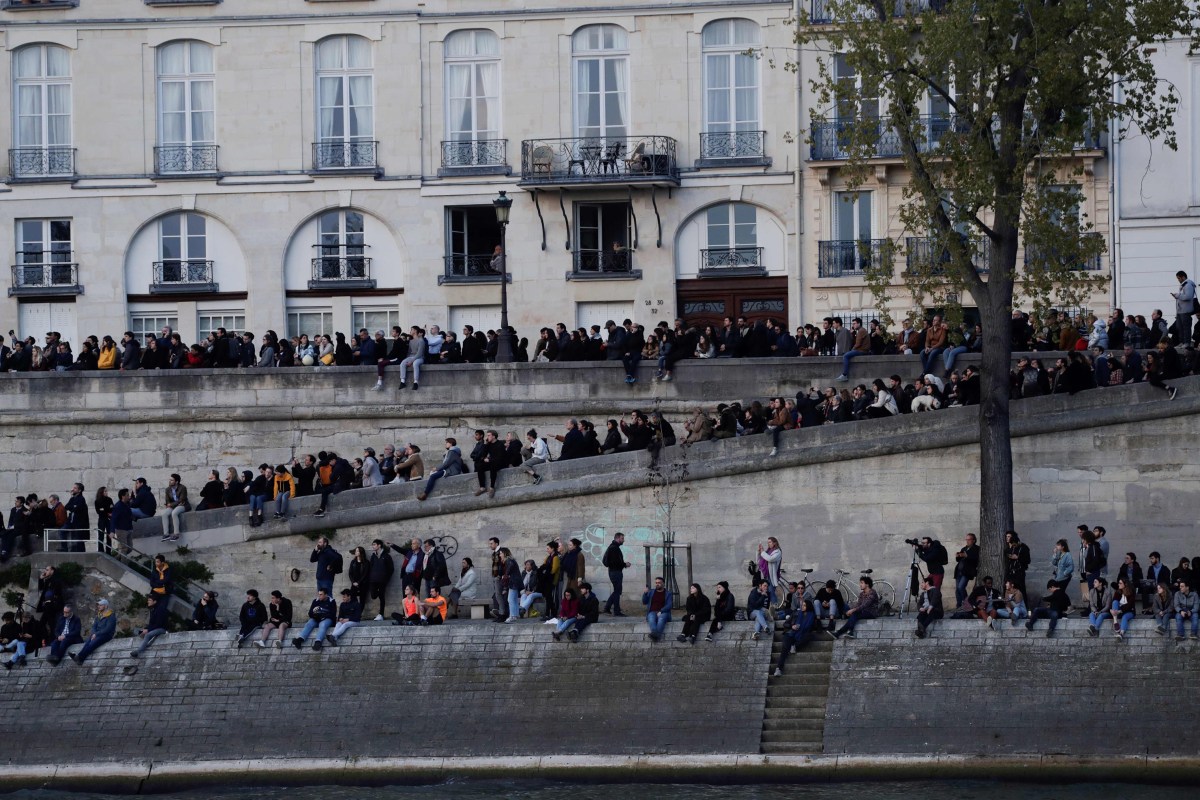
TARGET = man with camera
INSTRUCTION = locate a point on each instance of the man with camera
(966, 569)
(933, 553)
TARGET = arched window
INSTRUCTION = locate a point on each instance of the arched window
(731, 76)
(601, 54)
(186, 108)
(345, 103)
(183, 250)
(42, 111)
(472, 99)
(732, 236)
(341, 247)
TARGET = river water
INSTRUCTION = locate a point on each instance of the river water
(547, 790)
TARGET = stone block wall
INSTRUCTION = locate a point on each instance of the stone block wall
(464, 689)
(969, 690)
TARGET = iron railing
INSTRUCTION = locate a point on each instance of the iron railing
(821, 13)
(922, 252)
(44, 275)
(91, 540)
(729, 145)
(183, 2)
(32, 5)
(615, 262)
(840, 258)
(479, 153)
(1087, 263)
(41, 162)
(727, 259)
(345, 154)
(831, 139)
(599, 160)
(463, 265)
(341, 268)
(185, 158)
(178, 271)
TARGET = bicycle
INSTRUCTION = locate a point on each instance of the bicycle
(885, 590)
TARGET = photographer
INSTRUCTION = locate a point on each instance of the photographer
(933, 553)
(966, 569)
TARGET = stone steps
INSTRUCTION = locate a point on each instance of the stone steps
(790, 748)
(794, 714)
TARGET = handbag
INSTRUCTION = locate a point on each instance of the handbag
(327, 359)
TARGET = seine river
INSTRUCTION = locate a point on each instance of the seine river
(530, 790)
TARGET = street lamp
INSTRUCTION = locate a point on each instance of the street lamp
(504, 343)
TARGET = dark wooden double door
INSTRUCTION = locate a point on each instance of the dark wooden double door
(708, 301)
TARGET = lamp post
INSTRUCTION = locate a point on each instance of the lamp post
(504, 343)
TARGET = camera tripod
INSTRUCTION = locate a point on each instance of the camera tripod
(914, 583)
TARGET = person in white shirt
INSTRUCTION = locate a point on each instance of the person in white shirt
(434, 340)
(540, 455)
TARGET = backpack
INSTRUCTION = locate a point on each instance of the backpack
(335, 564)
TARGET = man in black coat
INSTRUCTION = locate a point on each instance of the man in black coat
(574, 444)
(631, 349)
(966, 569)
(493, 459)
(78, 523)
(589, 611)
(380, 574)
(614, 561)
(339, 481)
(434, 570)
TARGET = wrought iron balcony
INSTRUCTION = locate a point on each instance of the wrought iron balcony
(34, 5)
(345, 154)
(597, 160)
(480, 157)
(346, 272)
(820, 12)
(733, 148)
(731, 261)
(603, 264)
(831, 139)
(922, 252)
(44, 277)
(183, 159)
(177, 275)
(1034, 257)
(182, 2)
(844, 258)
(465, 268)
(41, 162)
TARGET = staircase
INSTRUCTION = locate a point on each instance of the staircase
(794, 719)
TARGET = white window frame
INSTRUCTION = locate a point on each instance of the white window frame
(602, 54)
(344, 74)
(860, 198)
(42, 83)
(476, 62)
(294, 313)
(158, 317)
(190, 80)
(358, 319)
(227, 320)
(728, 55)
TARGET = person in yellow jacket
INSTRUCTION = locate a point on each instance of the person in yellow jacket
(108, 354)
(283, 489)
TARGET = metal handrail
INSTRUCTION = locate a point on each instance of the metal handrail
(136, 560)
(599, 159)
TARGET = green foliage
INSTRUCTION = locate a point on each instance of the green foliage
(16, 574)
(70, 573)
(183, 550)
(136, 605)
(13, 598)
(191, 571)
(328, 533)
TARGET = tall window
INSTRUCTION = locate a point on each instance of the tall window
(603, 233)
(601, 82)
(345, 102)
(730, 76)
(42, 131)
(341, 246)
(853, 216)
(854, 98)
(208, 321)
(313, 321)
(472, 86)
(186, 108)
(151, 323)
(732, 236)
(375, 319)
(44, 253)
(183, 247)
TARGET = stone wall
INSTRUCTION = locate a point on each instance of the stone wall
(968, 690)
(468, 689)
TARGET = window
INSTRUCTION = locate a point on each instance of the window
(183, 250)
(730, 76)
(208, 321)
(852, 217)
(375, 319)
(186, 115)
(311, 321)
(341, 247)
(44, 256)
(602, 231)
(345, 103)
(42, 129)
(854, 100)
(601, 82)
(144, 324)
(732, 235)
(472, 234)
(472, 86)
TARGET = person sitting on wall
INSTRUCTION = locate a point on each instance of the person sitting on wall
(204, 615)
(156, 624)
(865, 607)
(1012, 605)
(144, 505)
(67, 632)
(658, 602)
(829, 603)
(252, 616)
(411, 613)
(804, 622)
(724, 609)
(697, 612)
(279, 618)
(1187, 610)
(758, 608)
(1054, 607)
(104, 627)
(929, 606)
(981, 602)
(433, 608)
(349, 616)
(321, 615)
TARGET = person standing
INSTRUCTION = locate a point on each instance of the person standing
(1185, 307)
(770, 559)
(499, 601)
(574, 567)
(434, 570)
(381, 570)
(78, 525)
(329, 565)
(511, 585)
(966, 569)
(614, 561)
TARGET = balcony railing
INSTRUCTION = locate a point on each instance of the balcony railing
(482, 156)
(731, 261)
(50, 277)
(1091, 263)
(841, 258)
(467, 268)
(41, 162)
(821, 13)
(341, 271)
(733, 148)
(172, 159)
(831, 139)
(921, 252)
(177, 275)
(32, 5)
(601, 263)
(634, 159)
(183, 2)
(345, 154)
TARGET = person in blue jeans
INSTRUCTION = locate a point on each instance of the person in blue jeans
(658, 602)
(1123, 608)
(67, 630)
(1187, 609)
(758, 608)
(865, 607)
(1055, 605)
(1099, 599)
(104, 627)
(321, 615)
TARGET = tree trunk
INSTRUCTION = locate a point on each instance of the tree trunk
(995, 447)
